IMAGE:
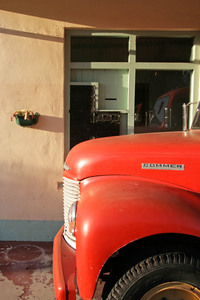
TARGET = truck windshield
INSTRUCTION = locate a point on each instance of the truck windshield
(196, 122)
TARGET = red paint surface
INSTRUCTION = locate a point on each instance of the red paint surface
(123, 155)
(121, 202)
(63, 269)
(116, 210)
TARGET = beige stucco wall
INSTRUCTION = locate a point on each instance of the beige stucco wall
(31, 77)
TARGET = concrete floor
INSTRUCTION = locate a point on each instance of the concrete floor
(26, 271)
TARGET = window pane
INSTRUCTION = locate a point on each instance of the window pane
(196, 122)
(151, 49)
(155, 91)
(99, 49)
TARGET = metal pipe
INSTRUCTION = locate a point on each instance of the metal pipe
(184, 116)
(185, 109)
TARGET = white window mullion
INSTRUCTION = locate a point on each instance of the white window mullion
(99, 65)
(131, 87)
(195, 78)
(164, 66)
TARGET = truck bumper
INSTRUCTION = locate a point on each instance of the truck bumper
(64, 264)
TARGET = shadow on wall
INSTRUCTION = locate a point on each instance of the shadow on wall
(112, 14)
(52, 124)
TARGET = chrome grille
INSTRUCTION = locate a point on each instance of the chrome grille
(71, 193)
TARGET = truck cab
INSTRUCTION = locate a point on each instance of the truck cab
(131, 218)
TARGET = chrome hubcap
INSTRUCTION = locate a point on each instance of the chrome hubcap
(173, 291)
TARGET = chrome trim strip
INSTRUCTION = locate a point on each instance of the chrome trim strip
(66, 167)
(71, 194)
(154, 166)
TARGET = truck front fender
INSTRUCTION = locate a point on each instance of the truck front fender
(116, 210)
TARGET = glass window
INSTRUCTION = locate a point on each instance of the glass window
(159, 107)
(196, 122)
(99, 49)
(159, 94)
(157, 91)
(153, 49)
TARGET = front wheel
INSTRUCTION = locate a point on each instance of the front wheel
(169, 276)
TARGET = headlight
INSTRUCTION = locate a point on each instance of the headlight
(72, 218)
(66, 167)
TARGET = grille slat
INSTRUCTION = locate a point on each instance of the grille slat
(71, 193)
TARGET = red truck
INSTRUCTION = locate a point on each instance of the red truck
(173, 101)
(166, 114)
(131, 218)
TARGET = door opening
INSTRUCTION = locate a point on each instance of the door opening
(86, 121)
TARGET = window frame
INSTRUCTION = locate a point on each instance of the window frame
(132, 65)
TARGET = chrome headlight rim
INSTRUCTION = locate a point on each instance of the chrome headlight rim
(71, 194)
(72, 217)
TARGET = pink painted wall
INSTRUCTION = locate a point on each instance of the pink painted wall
(127, 14)
(31, 164)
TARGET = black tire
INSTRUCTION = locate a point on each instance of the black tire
(176, 272)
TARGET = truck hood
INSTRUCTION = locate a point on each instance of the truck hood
(172, 158)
